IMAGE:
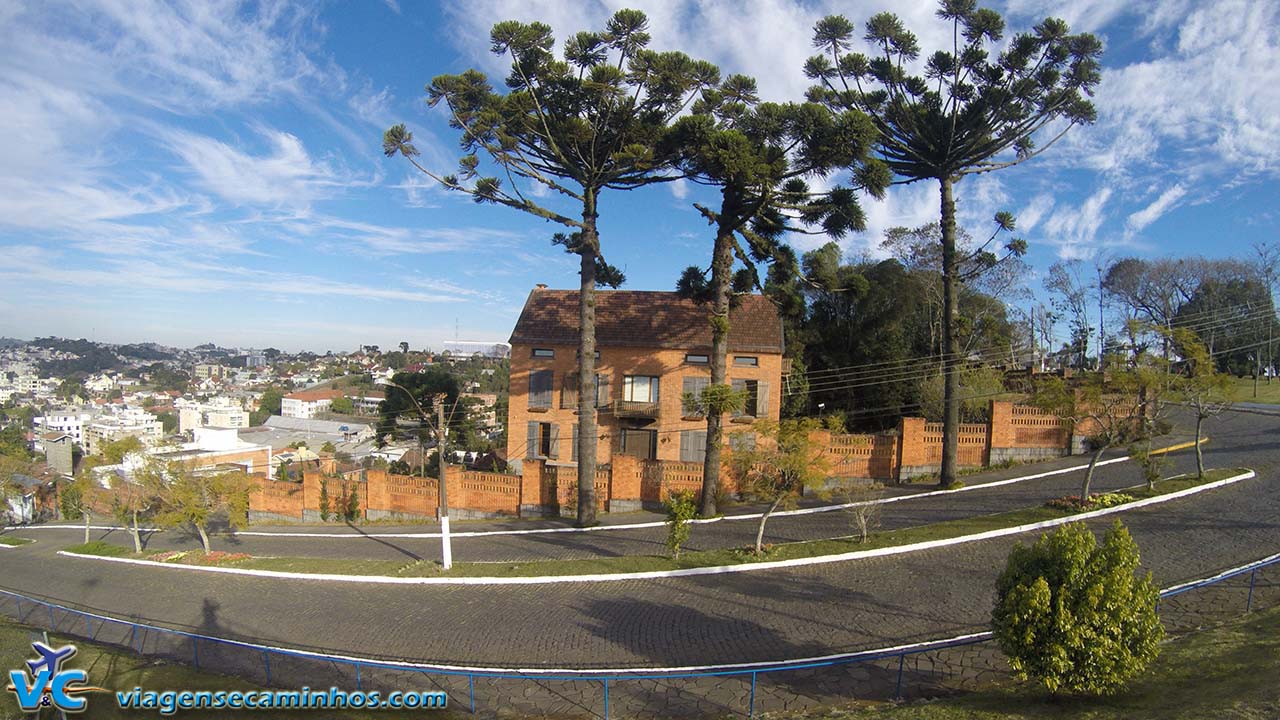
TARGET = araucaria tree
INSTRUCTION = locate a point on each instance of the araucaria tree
(577, 126)
(759, 156)
(1075, 616)
(968, 113)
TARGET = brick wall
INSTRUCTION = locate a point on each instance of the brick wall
(1014, 432)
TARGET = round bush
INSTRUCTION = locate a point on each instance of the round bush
(1074, 615)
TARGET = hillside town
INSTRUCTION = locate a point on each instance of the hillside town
(258, 410)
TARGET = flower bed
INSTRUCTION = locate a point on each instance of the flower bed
(1097, 501)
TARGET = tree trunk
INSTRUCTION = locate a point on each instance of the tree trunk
(137, 537)
(722, 285)
(764, 519)
(590, 250)
(1088, 475)
(1199, 453)
(950, 379)
(204, 536)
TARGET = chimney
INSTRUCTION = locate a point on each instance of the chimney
(541, 286)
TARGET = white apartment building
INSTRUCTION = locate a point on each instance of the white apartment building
(124, 422)
(221, 412)
(308, 403)
(70, 422)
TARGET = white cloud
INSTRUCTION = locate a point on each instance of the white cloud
(285, 176)
(1168, 199)
(1030, 215)
(1074, 229)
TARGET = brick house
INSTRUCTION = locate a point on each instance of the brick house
(653, 352)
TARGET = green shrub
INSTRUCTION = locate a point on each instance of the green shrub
(352, 510)
(1073, 615)
(681, 508)
(324, 500)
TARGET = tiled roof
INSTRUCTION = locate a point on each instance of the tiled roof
(626, 318)
(313, 395)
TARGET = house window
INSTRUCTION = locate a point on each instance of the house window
(544, 353)
(640, 443)
(640, 388)
(693, 445)
(569, 391)
(757, 401)
(746, 361)
(543, 440)
(697, 359)
(691, 395)
(540, 382)
(742, 441)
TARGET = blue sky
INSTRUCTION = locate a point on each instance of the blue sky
(213, 172)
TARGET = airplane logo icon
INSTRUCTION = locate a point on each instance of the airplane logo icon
(49, 658)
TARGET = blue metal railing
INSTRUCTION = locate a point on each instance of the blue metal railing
(753, 670)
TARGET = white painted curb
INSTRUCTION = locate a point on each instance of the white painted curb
(689, 572)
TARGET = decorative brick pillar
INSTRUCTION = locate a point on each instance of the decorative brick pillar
(534, 502)
(624, 483)
(912, 458)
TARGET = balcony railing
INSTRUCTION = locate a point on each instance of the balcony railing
(633, 409)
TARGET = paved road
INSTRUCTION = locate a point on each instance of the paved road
(743, 617)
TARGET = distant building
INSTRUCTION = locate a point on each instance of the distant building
(208, 371)
(483, 348)
(58, 454)
(342, 431)
(308, 403)
(221, 412)
(64, 421)
(367, 403)
(123, 422)
(221, 447)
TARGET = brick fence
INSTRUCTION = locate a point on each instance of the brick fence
(1014, 432)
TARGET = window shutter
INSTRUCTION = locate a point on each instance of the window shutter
(686, 444)
(689, 400)
(653, 391)
(762, 399)
(569, 391)
(531, 440)
(555, 442)
(701, 437)
(739, 386)
(573, 451)
(602, 390)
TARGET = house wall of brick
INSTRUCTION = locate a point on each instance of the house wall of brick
(667, 365)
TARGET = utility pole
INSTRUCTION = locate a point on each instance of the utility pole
(441, 431)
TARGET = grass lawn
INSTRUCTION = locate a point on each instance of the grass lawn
(644, 563)
(1227, 673)
(12, 541)
(1266, 393)
(117, 669)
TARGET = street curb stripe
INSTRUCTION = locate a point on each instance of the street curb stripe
(688, 572)
(657, 523)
